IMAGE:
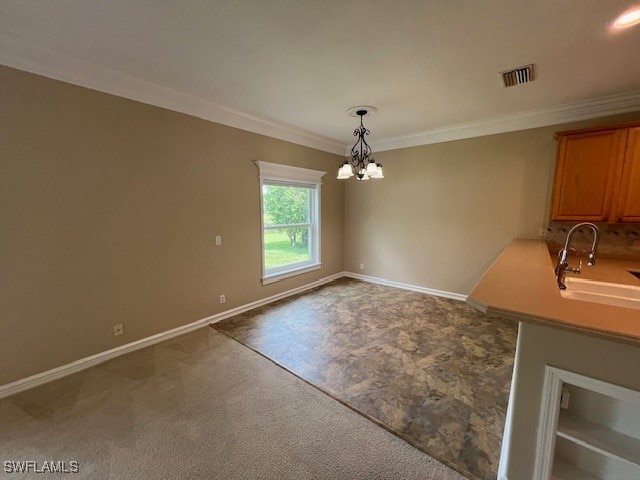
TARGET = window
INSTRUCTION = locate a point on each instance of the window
(290, 198)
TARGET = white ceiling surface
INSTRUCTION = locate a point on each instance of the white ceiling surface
(295, 66)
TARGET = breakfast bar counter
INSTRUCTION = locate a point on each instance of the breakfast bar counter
(521, 285)
(562, 340)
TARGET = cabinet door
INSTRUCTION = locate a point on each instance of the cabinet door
(629, 204)
(588, 175)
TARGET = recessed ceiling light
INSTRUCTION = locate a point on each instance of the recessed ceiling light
(628, 19)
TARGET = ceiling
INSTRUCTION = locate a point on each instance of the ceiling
(291, 68)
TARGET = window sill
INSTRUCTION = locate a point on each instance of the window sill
(276, 277)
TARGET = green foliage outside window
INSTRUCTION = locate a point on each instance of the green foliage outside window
(285, 205)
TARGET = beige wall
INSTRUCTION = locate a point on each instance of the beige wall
(109, 209)
(445, 211)
(538, 346)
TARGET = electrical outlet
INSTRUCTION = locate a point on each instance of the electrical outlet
(362, 266)
(223, 298)
(218, 240)
(118, 329)
(542, 232)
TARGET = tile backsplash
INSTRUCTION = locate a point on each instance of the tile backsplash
(617, 239)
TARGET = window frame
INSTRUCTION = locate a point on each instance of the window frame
(286, 175)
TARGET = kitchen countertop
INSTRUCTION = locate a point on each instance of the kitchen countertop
(521, 285)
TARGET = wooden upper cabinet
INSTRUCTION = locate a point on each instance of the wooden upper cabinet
(628, 207)
(598, 175)
(588, 172)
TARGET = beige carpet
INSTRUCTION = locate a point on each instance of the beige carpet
(200, 406)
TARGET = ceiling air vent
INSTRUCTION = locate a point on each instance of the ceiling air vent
(517, 76)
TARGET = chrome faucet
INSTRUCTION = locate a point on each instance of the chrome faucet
(562, 267)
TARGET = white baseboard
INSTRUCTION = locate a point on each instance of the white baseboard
(87, 362)
(84, 363)
(90, 361)
(404, 286)
(259, 303)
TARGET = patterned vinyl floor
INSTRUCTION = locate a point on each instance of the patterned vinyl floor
(432, 370)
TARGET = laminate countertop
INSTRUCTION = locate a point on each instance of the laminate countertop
(521, 285)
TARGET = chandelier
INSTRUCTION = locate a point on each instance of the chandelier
(361, 164)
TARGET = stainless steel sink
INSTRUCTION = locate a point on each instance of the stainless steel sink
(615, 294)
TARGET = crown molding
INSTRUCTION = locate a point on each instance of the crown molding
(542, 117)
(25, 55)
